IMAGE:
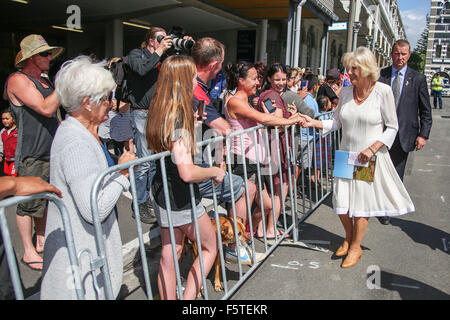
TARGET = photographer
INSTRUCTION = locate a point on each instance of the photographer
(143, 69)
(142, 72)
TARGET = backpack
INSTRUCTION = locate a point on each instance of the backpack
(119, 70)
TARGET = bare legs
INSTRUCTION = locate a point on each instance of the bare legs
(25, 226)
(354, 232)
(166, 273)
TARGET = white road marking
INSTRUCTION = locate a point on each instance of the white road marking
(316, 241)
(284, 267)
(443, 199)
(425, 170)
(438, 165)
(404, 286)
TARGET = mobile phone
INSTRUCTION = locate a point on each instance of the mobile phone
(269, 106)
(304, 83)
(200, 110)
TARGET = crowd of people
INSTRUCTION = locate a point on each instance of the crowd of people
(160, 112)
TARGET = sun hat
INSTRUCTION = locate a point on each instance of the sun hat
(32, 45)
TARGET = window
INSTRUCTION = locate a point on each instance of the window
(438, 51)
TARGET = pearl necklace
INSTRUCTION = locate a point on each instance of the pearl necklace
(369, 89)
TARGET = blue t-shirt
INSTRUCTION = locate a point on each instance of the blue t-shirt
(110, 164)
(107, 155)
(311, 103)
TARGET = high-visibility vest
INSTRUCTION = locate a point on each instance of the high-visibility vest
(434, 85)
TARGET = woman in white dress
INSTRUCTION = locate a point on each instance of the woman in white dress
(367, 115)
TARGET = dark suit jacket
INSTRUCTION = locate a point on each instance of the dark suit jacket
(414, 109)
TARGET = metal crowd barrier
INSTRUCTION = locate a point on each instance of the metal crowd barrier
(311, 198)
(10, 256)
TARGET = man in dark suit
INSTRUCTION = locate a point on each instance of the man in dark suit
(413, 107)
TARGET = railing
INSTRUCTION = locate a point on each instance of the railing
(311, 198)
(14, 271)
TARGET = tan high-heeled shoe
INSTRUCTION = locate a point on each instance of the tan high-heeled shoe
(341, 252)
(351, 262)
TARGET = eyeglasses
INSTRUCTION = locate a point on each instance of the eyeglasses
(109, 97)
(45, 54)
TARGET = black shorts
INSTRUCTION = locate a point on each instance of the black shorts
(237, 168)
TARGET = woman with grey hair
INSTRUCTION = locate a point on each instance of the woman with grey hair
(366, 113)
(77, 158)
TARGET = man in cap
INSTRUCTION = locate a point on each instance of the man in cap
(33, 102)
(333, 78)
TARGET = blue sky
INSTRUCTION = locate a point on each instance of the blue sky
(413, 13)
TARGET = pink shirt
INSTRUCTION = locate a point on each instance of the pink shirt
(249, 138)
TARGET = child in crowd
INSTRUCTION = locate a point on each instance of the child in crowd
(323, 145)
(8, 143)
(171, 127)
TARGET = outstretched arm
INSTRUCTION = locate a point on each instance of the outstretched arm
(23, 186)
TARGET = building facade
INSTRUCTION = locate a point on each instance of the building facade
(376, 24)
(438, 50)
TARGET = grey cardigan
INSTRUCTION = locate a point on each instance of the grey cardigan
(76, 160)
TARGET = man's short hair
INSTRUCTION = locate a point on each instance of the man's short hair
(206, 50)
(402, 43)
(151, 33)
(312, 81)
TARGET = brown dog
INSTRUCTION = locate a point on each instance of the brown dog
(227, 236)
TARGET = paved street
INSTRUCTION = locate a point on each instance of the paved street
(408, 259)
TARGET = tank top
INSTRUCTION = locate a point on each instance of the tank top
(249, 138)
(36, 131)
(179, 194)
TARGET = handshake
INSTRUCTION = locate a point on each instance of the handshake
(305, 121)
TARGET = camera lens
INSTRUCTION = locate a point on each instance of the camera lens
(180, 44)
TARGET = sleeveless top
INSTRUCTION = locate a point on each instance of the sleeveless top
(249, 138)
(179, 194)
(36, 131)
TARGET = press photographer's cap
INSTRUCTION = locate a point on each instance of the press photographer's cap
(333, 74)
(32, 45)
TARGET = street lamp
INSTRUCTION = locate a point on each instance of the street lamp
(356, 26)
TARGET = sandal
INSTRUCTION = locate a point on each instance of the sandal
(28, 264)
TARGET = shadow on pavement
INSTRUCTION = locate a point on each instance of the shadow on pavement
(421, 233)
(410, 289)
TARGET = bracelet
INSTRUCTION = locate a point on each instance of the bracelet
(373, 152)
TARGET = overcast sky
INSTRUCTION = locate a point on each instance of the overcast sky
(413, 13)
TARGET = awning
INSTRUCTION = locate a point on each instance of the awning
(277, 9)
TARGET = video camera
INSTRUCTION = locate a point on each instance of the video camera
(179, 44)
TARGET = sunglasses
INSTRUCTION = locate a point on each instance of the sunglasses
(45, 54)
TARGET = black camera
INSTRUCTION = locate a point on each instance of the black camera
(178, 43)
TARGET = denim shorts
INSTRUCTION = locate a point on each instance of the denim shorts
(223, 191)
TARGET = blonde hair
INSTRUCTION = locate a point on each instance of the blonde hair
(364, 59)
(171, 109)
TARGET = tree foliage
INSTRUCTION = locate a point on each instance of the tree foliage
(418, 56)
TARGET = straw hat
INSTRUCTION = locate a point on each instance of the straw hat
(32, 45)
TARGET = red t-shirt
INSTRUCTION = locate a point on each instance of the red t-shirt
(9, 143)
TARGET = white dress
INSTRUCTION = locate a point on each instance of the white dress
(374, 120)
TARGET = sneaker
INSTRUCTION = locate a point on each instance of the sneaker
(244, 254)
(146, 212)
(231, 256)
